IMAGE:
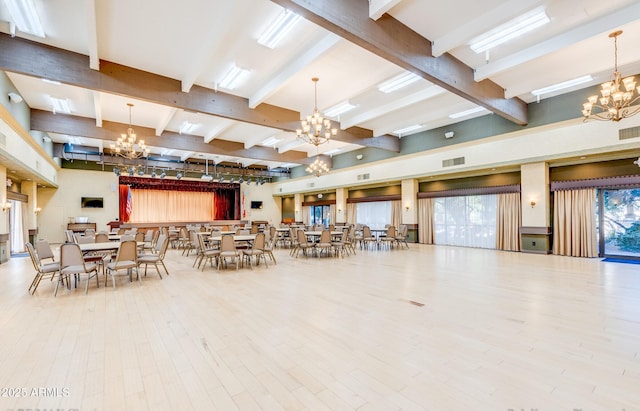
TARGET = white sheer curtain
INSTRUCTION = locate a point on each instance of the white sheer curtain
(352, 213)
(468, 221)
(375, 214)
(332, 213)
(425, 221)
(306, 215)
(19, 233)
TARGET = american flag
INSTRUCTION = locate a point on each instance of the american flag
(128, 208)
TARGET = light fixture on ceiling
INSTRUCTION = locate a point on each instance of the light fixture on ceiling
(60, 105)
(617, 96)
(510, 30)
(338, 109)
(233, 78)
(316, 130)
(25, 17)
(127, 145)
(398, 82)
(206, 176)
(187, 127)
(406, 130)
(278, 28)
(561, 86)
(178, 175)
(467, 112)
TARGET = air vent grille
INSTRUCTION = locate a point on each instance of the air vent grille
(630, 132)
(453, 162)
(311, 185)
(365, 176)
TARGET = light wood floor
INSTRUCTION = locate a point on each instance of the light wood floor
(497, 331)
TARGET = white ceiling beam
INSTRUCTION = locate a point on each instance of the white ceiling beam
(350, 121)
(221, 23)
(461, 34)
(217, 130)
(97, 107)
(593, 28)
(92, 34)
(438, 115)
(185, 156)
(378, 7)
(290, 145)
(164, 121)
(317, 48)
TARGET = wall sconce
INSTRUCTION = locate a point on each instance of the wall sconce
(339, 210)
(37, 210)
(533, 203)
(6, 207)
(406, 206)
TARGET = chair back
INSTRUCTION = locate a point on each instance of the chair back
(254, 229)
(69, 237)
(139, 236)
(83, 239)
(128, 251)
(102, 238)
(90, 232)
(302, 237)
(258, 243)
(391, 231)
(325, 236)
(34, 256)
(366, 231)
(71, 255)
(127, 237)
(161, 246)
(148, 236)
(227, 243)
(43, 249)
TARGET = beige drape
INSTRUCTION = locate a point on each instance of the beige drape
(425, 221)
(574, 225)
(396, 213)
(332, 214)
(305, 215)
(352, 213)
(165, 205)
(508, 221)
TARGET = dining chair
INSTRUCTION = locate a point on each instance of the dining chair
(268, 248)
(83, 239)
(303, 244)
(390, 237)
(324, 244)
(101, 238)
(256, 250)
(340, 245)
(44, 251)
(401, 237)
(43, 270)
(72, 263)
(367, 237)
(156, 258)
(206, 252)
(150, 245)
(126, 258)
(228, 250)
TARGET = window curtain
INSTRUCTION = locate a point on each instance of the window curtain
(468, 221)
(425, 221)
(19, 233)
(306, 215)
(332, 214)
(352, 213)
(375, 214)
(396, 213)
(508, 221)
(171, 206)
(574, 223)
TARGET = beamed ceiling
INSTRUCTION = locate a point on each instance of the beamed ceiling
(169, 59)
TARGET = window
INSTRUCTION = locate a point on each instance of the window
(320, 215)
(375, 214)
(468, 221)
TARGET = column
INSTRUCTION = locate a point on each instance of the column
(535, 232)
(4, 217)
(297, 200)
(341, 205)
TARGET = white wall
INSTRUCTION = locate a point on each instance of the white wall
(59, 205)
(271, 206)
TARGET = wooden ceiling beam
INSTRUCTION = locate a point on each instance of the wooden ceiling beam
(110, 131)
(397, 43)
(39, 60)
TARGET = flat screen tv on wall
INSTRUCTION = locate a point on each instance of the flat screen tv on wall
(92, 202)
(256, 204)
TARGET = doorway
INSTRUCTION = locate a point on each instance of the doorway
(619, 223)
(18, 234)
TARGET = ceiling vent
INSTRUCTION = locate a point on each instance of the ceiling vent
(453, 162)
(630, 132)
(311, 185)
(365, 176)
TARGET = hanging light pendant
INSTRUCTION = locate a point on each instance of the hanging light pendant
(617, 96)
(316, 129)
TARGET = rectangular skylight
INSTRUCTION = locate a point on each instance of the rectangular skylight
(60, 105)
(398, 82)
(234, 77)
(278, 28)
(563, 85)
(467, 112)
(46, 80)
(25, 17)
(271, 141)
(338, 109)
(188, 128)
(332, 151)
(407, 130)
(510, 30)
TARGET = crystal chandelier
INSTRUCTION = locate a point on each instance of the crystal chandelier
(617, 96)
(127, 146)
(318, 167)
(315, 129)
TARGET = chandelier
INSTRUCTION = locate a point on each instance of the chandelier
(315, 129)
(318, 167)
(127, 146)
(617, 96)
